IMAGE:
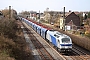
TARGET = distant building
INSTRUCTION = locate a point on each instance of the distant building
(40, 16)
(33, 15)
(73, 21)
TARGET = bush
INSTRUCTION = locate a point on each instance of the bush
(12, 45)
(8, 28)
(6, 46)
(87, 35)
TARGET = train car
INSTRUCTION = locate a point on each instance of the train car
(39, 29)
(44, 31)
(26, 21)
(30, 23)
(23, 19)
(61, 41)
(35, 27)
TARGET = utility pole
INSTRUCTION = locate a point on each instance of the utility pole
(39, 15)
(64, 19)
(9, 12)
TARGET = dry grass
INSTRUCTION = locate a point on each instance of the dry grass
(81, 41)
(5, 48)
(12, 43)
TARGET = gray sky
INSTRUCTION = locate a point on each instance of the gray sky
(54, 5)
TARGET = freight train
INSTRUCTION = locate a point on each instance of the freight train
(61, 41)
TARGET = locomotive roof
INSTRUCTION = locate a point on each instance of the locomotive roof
(56, 33)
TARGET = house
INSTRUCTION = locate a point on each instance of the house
(40, 16)
(73, 21)
(32, 15)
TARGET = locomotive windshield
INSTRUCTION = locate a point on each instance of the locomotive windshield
(65, 40)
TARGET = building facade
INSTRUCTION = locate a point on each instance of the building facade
(73, 21)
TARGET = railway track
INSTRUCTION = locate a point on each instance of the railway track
(39, 47)
(77, 54)
(82, 53)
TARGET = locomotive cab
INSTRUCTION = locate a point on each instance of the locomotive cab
(65, 43)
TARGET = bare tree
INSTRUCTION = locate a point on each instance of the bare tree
(55, 18)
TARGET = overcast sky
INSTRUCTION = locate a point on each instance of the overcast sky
(54, 5)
